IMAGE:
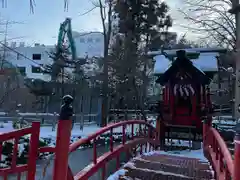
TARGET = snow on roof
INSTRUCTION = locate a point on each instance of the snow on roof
(117, 174)
(200, 50)
(206, 62)
(198, 154)
(161, 64)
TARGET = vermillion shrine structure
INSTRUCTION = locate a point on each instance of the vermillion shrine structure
(186, 106)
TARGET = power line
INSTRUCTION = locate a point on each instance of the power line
(40, 65)
(90, 10)
(11, 49)
(84, 34)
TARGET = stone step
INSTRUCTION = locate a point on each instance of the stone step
(146, 174)
(177, 160)
(175, 169)
(165, 167)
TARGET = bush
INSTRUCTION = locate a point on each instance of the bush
(15, 124)
(23, 147)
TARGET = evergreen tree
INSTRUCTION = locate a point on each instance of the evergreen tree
(141, 23)
(184, 43)
(148, 20)
(60, 59)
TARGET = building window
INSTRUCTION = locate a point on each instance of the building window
(98, 40)
(36, 56)
(36, 69)
(22, 70)
(82, 40)
(18, 56)
(90, 40)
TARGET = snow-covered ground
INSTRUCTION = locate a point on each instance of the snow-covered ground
(48, 138)
(224, 120)
(46, 132)
(198, 154)
(48, 135)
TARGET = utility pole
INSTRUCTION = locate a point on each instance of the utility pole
(236, 11)
(7, 23)
(5, 43)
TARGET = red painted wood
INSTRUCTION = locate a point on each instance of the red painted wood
(165, 95)
(94, 152)
(30, 168)
(17, 169)
(104, 172)
(60, 169)
(117, 162)
(123, 134)
(1, 151)
(218, 154)
(33, 150)
(17, 133)
(100, 162)
(111, 139)
(15, 151)
(214, 147)
(132, 131)
(70, 174)
(205, 138)
(74, 146)
(194, 107)
(19, 176)
(47, 149)
(237, 159)
(92, 169)
(172, 103)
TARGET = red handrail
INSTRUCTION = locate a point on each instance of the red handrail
(74, 146)
(219, 155)
(100, 162)
(30, 167)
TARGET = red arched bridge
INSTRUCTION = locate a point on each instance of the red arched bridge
(133, 143)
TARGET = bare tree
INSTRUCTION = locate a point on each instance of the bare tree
(106, 12)
(13, 91)
(211, 20)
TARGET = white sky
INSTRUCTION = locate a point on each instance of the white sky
(43, 25)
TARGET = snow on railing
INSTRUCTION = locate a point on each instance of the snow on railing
(30, 167)
(145, 137)
(218, 154)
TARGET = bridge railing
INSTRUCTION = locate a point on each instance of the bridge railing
(14, 168)
(145, 136)
(219, 155)
(225, 166)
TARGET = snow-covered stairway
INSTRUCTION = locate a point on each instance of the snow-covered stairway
(162, 166)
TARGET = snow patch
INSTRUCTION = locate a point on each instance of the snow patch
(162, 172)
(197, 154)
(117, 174)
(129, 165)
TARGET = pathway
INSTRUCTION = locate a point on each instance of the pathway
(161, 165)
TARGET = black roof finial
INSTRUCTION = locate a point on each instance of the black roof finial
(66, 111)
(181, 54)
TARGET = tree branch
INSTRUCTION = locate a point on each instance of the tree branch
(211, 18)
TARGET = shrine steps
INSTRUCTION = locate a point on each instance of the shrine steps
(163, 167)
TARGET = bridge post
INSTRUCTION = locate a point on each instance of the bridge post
(206, 126)
(64, 128)
(237, 153)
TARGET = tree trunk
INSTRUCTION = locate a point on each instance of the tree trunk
(107, 34)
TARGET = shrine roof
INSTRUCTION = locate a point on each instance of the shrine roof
(206, 62)
(183, 63)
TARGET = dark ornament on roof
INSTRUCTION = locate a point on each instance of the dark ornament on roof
(184, 65)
